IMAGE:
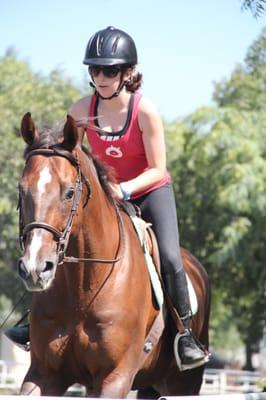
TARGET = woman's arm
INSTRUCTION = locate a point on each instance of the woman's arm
(151, 126)
(79, 111)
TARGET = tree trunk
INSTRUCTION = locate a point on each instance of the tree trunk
(248, 365)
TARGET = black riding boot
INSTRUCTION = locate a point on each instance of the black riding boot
(20, 334)
(188, 352)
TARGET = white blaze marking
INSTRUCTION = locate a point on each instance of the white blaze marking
(34, 247)
(45, 177)
(36, 241)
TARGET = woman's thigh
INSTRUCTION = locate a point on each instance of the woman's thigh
(158, 207)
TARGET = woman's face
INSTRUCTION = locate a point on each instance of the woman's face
(107, 78)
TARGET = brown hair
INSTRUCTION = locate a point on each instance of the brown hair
(136, 80)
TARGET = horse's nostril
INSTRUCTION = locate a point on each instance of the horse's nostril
(49, 265)
(23, 273)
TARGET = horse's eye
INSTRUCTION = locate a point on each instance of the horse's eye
(70, 193)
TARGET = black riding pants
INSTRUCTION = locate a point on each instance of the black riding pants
(158, 207)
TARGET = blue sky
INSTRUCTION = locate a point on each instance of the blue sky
(183, 46)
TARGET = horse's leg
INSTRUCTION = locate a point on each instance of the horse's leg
(116, 385)
(30, 389)
(193, 380)
(184, 383)
(47, 388)
(36, 385)
(31, 385)
(148, 393)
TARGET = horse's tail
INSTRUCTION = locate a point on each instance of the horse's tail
(203, 335)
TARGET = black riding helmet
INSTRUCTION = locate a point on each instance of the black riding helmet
(108, 47)
(111, 46)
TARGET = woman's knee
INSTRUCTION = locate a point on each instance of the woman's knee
(171, 263)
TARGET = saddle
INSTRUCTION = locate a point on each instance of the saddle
(150, 249)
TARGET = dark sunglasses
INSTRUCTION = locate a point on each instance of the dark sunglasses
(110, 71)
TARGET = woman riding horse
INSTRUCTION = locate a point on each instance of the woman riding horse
(125, 132)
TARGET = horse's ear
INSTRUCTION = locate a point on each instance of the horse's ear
(70, 133)
(27, 129)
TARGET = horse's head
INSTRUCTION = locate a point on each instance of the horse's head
(49, 193)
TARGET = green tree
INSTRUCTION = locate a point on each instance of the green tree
(250, 100)
(217, 159)
(245, 89)
(257, 7)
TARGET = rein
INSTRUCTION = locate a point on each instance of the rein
(62, 237)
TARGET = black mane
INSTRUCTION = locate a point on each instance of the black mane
(51, 137)
(105, 175)
(46, 138)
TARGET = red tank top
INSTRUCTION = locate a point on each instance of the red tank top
(124, 150)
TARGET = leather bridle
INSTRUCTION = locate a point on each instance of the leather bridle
(62, 237)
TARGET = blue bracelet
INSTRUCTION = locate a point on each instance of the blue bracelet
(125, 191)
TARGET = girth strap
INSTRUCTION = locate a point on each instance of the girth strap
(153, 337)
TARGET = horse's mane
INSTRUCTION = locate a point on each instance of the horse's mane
(105, 175)
(51, 137)
(46, 138)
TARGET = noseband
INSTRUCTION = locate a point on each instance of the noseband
(62, 237)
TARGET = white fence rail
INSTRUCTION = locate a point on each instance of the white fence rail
(215, 382)
(7, 382)
(219, 381)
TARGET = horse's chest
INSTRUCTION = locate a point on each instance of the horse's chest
(74, 343)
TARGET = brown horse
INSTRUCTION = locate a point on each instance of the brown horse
(92, 303)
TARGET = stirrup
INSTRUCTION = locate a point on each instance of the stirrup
(25, 347)
(9, 333)
(184, 367)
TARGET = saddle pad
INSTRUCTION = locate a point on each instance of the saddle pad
(141, 229)
(192, 296)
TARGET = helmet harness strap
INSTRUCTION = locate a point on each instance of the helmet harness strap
(122, 83)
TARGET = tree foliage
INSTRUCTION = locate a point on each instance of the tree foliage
(218, 163)
(245, 89)
(257, 7)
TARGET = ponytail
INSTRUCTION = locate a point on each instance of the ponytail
(134, 83)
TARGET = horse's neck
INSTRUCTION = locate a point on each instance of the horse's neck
(101, 228)
(98, 237)
(100, 222)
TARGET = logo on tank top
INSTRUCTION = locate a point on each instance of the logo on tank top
(113, 151)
